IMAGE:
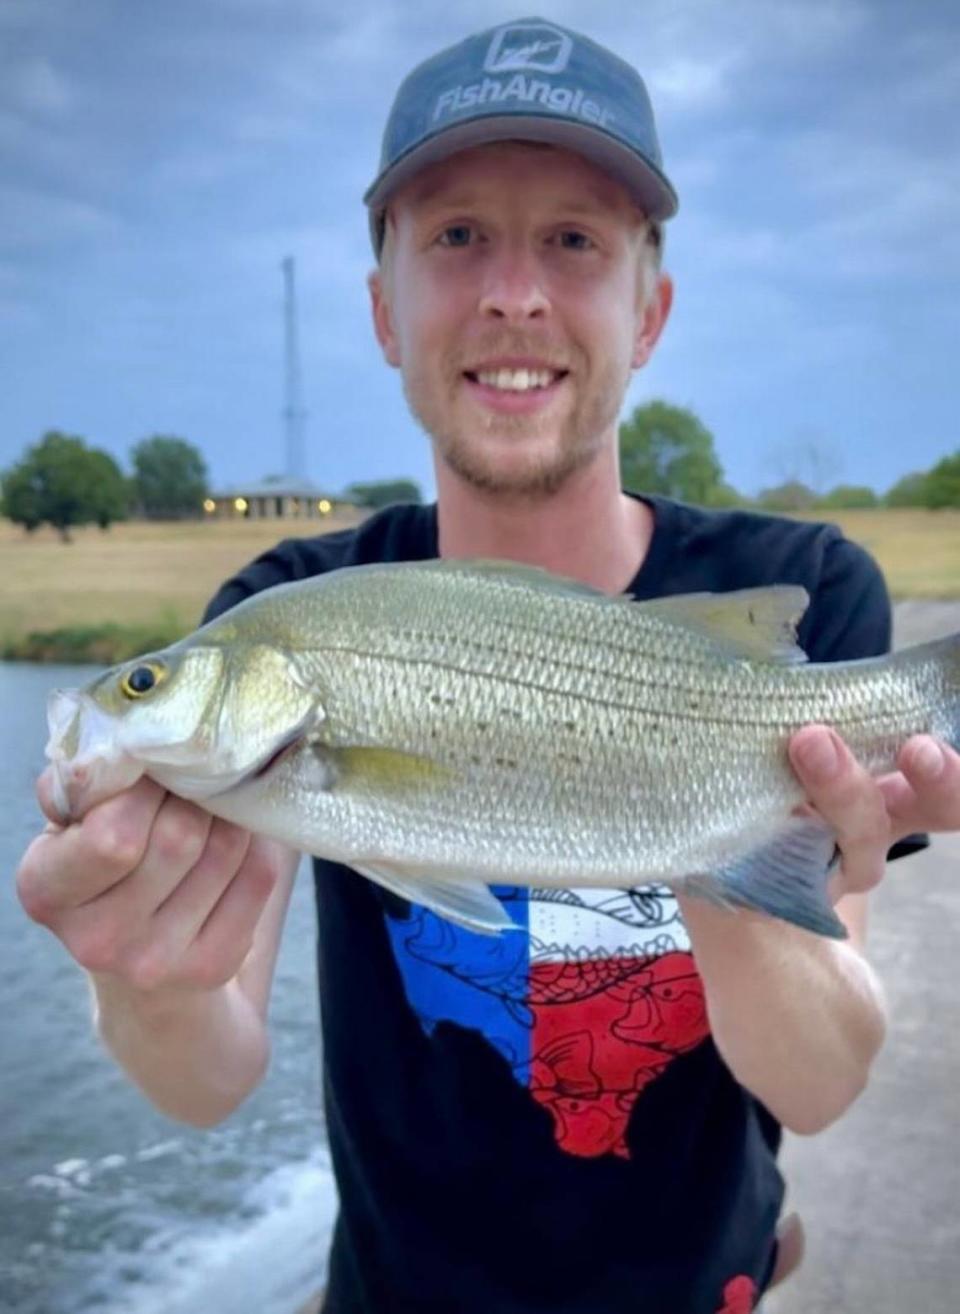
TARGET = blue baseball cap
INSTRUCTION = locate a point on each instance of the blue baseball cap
(530, 81)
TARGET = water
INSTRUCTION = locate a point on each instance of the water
(106, 1205)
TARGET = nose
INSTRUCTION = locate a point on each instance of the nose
(513, 287)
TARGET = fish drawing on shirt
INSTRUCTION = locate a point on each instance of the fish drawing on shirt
(588, 1007)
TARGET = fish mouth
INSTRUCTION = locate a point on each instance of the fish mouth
(86, 763)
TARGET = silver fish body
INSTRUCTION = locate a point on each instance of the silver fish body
(440, 726)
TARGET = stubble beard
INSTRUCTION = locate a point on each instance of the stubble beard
(544, 471)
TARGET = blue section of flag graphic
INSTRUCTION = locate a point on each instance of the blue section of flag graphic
(479, 981)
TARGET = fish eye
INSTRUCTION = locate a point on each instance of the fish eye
(141, 679)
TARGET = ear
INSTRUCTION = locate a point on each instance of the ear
(651, 321)
(383, 325)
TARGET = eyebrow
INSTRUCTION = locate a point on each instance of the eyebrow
(466, 200)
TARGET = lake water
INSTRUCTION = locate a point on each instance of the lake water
(105, 1205)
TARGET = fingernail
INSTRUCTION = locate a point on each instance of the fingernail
(819, 755)
(926, 758)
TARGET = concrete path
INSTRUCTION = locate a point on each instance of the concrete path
(879, 1193)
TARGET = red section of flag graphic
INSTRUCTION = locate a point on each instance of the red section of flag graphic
(594, 1055)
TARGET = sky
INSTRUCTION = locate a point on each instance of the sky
(158, 162)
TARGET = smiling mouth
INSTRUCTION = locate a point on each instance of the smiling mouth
(516, 381)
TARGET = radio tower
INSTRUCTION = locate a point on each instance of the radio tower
(294, 416)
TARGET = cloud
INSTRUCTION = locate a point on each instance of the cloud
(35, 87)
(693, 85)
(35, 219)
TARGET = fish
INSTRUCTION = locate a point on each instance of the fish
(447, 725)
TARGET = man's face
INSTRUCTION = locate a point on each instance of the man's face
(512, 299)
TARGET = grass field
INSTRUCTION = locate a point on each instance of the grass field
(142, 574)
(138, 573)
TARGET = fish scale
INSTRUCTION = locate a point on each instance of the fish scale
(445, 725)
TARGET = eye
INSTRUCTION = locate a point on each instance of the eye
(571, 239)
(141, 679)
(456, 235)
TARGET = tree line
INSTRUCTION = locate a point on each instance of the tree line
(663, 449)
(666, 449)
(62, 482)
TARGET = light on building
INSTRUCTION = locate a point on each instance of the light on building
(240, 504)
(209, 505)
(324, 507)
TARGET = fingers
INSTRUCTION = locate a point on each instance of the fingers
(849, 800)
(67, 867)
(926, 795)
(181, 918)
(150, 889)
(225, 940)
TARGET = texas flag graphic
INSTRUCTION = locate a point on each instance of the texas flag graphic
(589, 1003)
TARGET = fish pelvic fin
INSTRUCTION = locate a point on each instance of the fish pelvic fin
(467, 903)
(759, 624)
(785, 877)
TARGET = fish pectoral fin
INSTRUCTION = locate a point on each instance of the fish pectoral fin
(468, 903)
(785, 877)
(386, 770)
(757, 623)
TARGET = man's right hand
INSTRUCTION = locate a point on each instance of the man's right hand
(149, 889)
(177, 916)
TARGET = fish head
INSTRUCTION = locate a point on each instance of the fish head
(197, 717)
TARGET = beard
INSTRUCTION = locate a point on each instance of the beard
(519, 457)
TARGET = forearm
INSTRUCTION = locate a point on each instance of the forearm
(797, 1018)
(195, 1054)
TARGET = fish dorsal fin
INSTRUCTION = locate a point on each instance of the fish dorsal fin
(757, 623)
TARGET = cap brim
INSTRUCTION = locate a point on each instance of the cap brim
(642, 179)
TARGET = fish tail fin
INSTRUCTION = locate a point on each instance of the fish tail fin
(785, 877)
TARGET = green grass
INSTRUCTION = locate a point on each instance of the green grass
(102, 645)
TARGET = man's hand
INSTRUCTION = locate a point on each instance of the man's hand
(177, 918)
(148, 889)
(867, 814)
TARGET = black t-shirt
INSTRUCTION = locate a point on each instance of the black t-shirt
(543, 1123)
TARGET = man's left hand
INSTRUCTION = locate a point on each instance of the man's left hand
(870, 814)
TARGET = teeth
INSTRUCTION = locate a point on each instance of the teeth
(516, 380)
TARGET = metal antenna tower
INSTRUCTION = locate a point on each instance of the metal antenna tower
(294, 416)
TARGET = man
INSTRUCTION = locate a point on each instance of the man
(585, 1118)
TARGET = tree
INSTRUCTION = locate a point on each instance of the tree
(169, 478)
(665, 449)
(791, 496)
(807, 458)
(849, 495)
(22, 498)
(942, 486)
(62, 482)
(110, 490)
(384, 491)
(911, 490)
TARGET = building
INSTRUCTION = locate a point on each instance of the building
(277, 498)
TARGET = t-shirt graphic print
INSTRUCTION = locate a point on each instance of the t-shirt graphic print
(588, 1001)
